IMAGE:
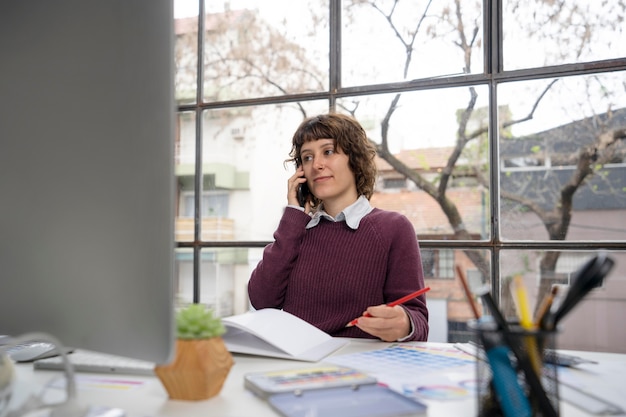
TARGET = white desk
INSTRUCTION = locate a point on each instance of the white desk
(150, 399)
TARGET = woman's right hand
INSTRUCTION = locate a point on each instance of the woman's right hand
(293, 183)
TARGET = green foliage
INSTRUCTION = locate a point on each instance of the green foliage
(196, 322)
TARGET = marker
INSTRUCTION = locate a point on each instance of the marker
(394, 303)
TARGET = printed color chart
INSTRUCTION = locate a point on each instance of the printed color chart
(413, 369)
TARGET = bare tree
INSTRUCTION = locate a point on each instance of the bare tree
(600, 149)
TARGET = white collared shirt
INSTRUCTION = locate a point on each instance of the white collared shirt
(352, 214)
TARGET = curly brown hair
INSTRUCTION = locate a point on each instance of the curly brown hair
(350, 137)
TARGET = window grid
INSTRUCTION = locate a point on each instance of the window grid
(493, 76)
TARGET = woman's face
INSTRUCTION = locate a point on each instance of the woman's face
(328, 172)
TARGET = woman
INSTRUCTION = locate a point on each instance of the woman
(337, 257)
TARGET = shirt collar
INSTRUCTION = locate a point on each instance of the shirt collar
(352, 214)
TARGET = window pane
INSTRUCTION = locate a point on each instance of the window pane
(563, 172)
(387, 41)
(183, 275)
(255, 49)
(422, 142)
(448, 290)
(597, 316)
(244, 176)
(185, 151)
(542, 33)
(186, 49)
(224, 273)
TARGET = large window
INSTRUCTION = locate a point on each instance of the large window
(500, 126)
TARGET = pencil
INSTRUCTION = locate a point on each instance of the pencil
(394, 303)
(525, 320)
(468, 293)
(544, 307)
(520, 298)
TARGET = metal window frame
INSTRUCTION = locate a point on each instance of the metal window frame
(493, 75)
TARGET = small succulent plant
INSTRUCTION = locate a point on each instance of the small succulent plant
(196, 322)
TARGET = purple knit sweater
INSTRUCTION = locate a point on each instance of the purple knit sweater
(329, 274)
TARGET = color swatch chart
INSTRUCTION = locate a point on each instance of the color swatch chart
(405, 359)
(440, 373)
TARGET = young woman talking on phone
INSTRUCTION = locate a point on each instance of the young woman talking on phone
(336, 257)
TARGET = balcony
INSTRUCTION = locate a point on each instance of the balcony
(212, 228)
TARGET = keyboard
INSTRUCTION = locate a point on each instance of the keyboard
(31, 351)
(96, 362)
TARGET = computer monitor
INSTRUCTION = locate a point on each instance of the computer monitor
(87, 173)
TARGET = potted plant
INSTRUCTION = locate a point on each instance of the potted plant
(201, 361)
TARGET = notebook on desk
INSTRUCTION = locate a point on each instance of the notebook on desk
(276, 333)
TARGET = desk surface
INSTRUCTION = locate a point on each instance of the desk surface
(149, 399)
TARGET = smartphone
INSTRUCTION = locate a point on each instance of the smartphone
(303, 191)
(303, 194)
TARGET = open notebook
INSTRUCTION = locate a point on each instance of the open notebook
(276, 333)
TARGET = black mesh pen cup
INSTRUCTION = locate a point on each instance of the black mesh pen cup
(512, 374)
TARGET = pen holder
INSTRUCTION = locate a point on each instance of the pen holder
(513, 378)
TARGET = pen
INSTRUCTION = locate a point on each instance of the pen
(394, 303)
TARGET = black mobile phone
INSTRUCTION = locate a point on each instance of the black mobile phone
(303, 191)
(303, 194)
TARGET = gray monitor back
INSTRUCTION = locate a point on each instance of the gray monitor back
(86, 173)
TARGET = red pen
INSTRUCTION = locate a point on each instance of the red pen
(394, 303)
